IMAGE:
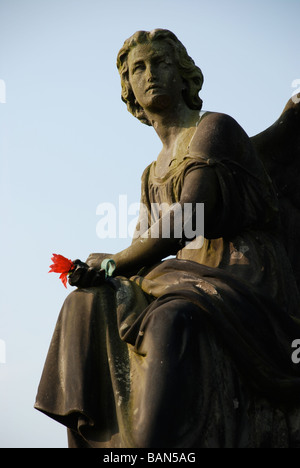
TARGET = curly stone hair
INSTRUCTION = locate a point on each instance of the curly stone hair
(190, 73)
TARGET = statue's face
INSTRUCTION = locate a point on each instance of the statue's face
(154, 76)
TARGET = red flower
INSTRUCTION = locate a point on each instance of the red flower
(61, 265)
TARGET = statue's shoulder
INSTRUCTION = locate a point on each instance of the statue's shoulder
(218, 135)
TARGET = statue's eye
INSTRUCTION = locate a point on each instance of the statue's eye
(138, 67)
(163, 61)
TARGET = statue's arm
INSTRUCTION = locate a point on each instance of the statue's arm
(200, 186)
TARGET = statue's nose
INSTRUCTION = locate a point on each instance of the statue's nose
(151, 74)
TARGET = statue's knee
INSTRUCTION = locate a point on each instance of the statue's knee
(72, 298)
(78, 303)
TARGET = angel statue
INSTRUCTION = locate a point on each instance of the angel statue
(180, 341)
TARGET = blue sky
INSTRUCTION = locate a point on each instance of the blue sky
(67, 144)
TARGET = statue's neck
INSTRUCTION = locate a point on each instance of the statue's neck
(170, 125)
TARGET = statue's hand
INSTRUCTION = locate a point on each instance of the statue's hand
(95, 259)
(84, 276)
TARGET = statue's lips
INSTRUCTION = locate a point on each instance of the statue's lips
(154, 87)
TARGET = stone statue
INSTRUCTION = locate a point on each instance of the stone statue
(194, 350)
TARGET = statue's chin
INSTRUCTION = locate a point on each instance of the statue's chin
(160, 102)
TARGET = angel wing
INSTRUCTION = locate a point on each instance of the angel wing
(279, 148)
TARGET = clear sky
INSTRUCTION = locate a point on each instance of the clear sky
(68, 144)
